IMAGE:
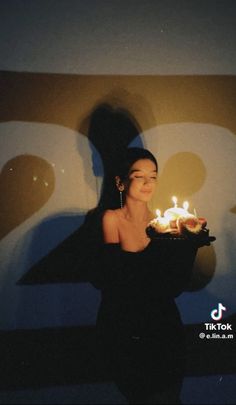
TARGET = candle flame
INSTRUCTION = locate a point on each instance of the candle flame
(174, 199)
(158, 213)
(186, 205)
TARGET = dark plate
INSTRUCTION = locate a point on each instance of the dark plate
(200, 239)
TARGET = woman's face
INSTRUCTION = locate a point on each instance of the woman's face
(142, 180)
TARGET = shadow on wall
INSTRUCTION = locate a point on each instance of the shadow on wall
(110, 131)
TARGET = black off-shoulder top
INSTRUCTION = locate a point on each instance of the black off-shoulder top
(138, 288)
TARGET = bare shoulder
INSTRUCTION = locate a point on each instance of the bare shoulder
(110, 226)
(110, 216)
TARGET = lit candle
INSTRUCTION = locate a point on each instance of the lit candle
(158, 213)
(161, 224)
(180, 218)
(174, 199)
(185, 205)
(188, 222)
(175, 212)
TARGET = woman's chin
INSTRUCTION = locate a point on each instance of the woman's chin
(146, 197)
(142, 196)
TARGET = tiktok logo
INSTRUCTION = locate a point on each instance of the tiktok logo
(217, 313)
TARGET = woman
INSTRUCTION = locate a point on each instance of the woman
(138, 324)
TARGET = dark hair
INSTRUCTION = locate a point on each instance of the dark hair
(130, 156)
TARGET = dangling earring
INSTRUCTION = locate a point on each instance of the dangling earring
(121, 199)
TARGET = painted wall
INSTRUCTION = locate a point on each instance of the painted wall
(171, 65)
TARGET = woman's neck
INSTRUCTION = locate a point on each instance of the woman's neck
(136, 211)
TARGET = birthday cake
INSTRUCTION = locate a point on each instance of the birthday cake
(179, 224)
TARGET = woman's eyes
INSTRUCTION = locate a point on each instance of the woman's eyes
(142, 177)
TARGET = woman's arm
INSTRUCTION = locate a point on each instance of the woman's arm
(109, 265)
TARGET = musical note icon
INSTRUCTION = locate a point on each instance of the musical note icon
(217, 313)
